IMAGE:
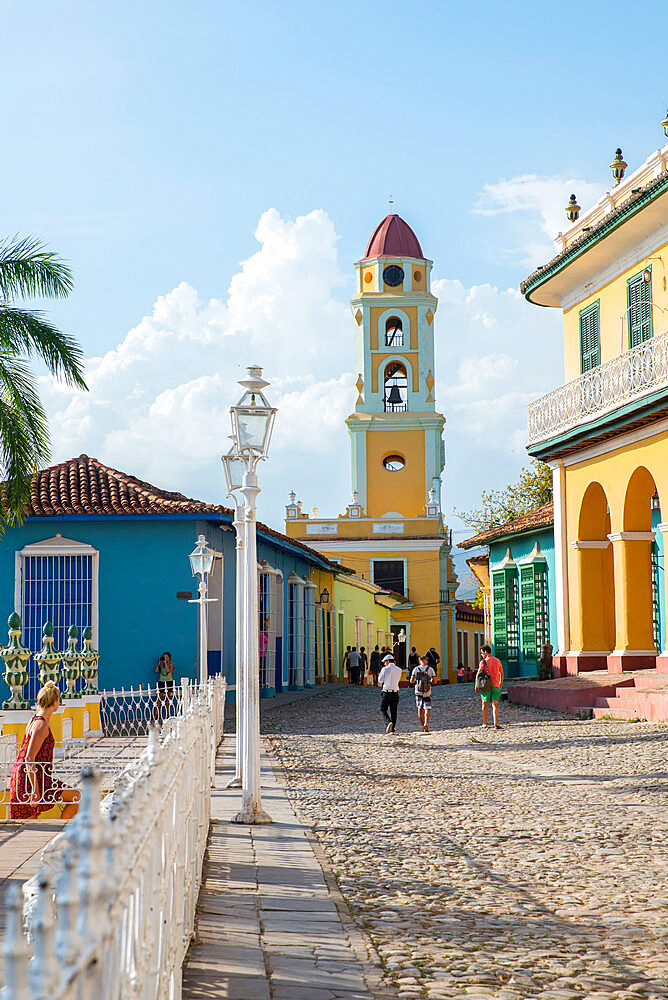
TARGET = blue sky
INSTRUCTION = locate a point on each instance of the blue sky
(147, 141)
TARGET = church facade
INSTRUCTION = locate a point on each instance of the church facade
(392, 532)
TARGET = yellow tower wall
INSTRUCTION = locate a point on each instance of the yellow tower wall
(403, 491)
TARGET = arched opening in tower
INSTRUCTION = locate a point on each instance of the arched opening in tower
(394, 332)
(396, 388)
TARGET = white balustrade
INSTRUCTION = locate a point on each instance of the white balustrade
(110, 913)
(633, 374)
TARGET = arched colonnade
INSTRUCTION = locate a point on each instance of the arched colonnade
(617, 584)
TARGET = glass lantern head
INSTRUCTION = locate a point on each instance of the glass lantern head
(252, 417)
(201, 558)
(233, 467)
(324, 596)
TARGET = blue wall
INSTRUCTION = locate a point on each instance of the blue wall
(143, 562)
(521, 546)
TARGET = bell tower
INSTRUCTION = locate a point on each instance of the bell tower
(396, 434)
(392, 532)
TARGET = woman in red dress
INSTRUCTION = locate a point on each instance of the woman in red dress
(33, 789)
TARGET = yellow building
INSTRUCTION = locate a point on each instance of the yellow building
(604, 432)
(392, 532)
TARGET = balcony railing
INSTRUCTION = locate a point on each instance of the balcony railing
(636, 373)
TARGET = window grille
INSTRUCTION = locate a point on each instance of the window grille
(534, 609)
(270, 602)
(56, 588)
(656, 607)
(590, 345)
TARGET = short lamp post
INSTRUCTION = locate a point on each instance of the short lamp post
(233, 468)
(252, 425)
(201, 561)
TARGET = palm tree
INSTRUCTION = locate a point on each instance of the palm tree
(29, 270)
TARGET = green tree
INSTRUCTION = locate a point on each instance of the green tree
(28, 271)
(533, 489)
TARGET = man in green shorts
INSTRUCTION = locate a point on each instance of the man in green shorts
(494, 668)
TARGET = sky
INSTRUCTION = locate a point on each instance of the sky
(212, 170)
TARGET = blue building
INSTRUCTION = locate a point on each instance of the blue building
(517, 577)
(103, 549)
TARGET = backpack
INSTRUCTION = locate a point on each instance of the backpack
(483, 682)
(423, 683)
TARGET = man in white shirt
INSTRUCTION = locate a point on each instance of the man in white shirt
(389, 678)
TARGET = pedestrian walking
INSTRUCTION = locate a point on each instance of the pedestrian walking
(389, 677)
(364, 663)
(434, 659)
(354, 662)
(374, 665)
(492, 668)
(461, 674)
(346, 662)
(421, 678)
(413, 660)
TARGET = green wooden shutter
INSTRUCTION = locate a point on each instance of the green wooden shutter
(528, 612)
(512, 616)
(499, 613)
(590, 344)
(639, 296)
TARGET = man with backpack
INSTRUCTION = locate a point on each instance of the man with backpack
(421, 677)
(488, 682)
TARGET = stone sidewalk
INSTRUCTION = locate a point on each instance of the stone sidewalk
(271, 923)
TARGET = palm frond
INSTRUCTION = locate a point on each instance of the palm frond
(24, 442)
(28, 270)
(26, 331)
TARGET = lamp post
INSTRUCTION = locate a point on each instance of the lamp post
(233, 468)
(252, 424)
(201, 561)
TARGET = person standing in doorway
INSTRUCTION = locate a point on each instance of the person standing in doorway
(389, 678)
(374, 665)
(421, 678)
(494, 668)
(354, 663)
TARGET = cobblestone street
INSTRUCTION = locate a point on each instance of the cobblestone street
(525, 862)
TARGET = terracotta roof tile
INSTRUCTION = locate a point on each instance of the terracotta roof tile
(84, 485)
(540, 517)
(466, 612)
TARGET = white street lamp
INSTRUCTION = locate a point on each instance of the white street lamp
(252, 424)
(201, 561)
(233, 468)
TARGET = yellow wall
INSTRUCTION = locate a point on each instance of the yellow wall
(356, 602)
(422, 576)
(403, 491)
(613, 305)
(610, 588)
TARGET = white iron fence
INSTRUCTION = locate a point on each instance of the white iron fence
(110, 913)
(638, 372)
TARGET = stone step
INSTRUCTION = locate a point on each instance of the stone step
(615, 713)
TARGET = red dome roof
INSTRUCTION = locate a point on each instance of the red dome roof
(393, 238)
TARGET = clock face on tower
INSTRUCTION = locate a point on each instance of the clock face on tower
(393, 275)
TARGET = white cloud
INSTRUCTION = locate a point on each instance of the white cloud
(158, 402)
(531, 199)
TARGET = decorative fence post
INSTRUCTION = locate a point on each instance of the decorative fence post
(71, 669)
(16, 658)
(48, 658)
(89, 660)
